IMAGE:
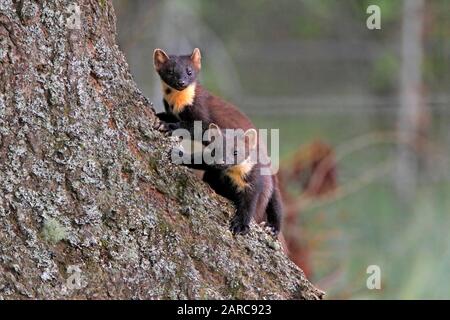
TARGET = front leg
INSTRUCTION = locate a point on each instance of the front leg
(167, 117)
(168, 122)
(245, 210)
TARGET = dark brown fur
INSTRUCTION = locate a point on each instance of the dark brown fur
(260, 198)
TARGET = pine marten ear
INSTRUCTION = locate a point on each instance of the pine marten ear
(159, 58)
(196, 58)
(252, 138)
(214, 131)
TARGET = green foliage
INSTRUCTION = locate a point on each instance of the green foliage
(385, 73)
(306, 26)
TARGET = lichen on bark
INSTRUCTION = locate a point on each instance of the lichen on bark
(78, 145)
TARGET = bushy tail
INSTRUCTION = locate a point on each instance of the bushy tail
(274, 209)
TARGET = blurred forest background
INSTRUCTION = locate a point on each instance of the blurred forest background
(363, 118)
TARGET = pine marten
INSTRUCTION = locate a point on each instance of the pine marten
(255, 195)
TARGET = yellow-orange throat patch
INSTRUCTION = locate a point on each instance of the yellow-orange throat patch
(238, 173)
(178, 100)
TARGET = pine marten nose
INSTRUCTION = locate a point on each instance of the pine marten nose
(181, 83)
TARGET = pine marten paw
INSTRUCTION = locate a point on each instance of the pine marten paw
(271, 229)
(163, 127)
(167, 128)
(274, 230)
(238, 226)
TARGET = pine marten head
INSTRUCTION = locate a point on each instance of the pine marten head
(232, 148)
(234, 152)
(177, 72)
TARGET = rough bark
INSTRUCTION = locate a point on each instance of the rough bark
(90, 205)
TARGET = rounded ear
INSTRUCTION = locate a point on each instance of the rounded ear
(214, 131)
(196, 58)
(159, 58)
(252, 136)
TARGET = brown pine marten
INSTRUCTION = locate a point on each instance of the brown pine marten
(254, 195)
(237, 175)
(186, 101)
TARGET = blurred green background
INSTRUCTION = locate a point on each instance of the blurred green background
(314, 70)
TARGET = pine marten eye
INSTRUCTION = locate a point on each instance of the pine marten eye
(189, 71)
(171, 71)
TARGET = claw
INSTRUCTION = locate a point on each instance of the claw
(238, 227)
(273, 229)
(163, 127)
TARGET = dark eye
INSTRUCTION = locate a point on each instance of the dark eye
(171, 71)
(189, 71)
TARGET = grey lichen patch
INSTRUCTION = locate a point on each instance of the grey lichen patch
(3, 49)
(28, 11)
(181, 187)
(274, 244)
(53, 232)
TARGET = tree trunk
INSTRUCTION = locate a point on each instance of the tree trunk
(90, 204)
(413, 117)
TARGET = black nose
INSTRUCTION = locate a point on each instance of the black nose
(181, 83)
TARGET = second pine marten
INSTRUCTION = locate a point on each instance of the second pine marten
(237, 174)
